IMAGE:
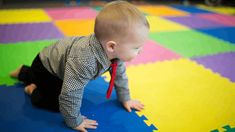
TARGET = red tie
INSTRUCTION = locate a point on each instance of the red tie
(111, 83)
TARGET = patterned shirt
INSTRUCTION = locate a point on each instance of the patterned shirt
(77, 60)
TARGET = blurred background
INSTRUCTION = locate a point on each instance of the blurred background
(185, 74)
(39, 3)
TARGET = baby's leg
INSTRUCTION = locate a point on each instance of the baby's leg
(30, 88)
(24, 74)
(15, 73)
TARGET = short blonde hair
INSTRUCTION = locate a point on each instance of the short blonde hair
(116, 19)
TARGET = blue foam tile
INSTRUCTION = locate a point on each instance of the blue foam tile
(190, 9)
(16, 110)
(151, 126)
(227, 128)
(224, 33)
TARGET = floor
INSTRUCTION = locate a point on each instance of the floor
(185, 75)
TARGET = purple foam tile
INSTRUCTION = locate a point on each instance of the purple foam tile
(223, 63)
(28, 32)
(195, 22)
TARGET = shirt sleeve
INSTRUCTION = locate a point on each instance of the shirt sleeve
(121, 83)
(77, 74)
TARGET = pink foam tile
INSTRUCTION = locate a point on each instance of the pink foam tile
(153, 52)
(220, 18)
(71, 13)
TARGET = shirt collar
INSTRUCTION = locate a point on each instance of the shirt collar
(98, 51)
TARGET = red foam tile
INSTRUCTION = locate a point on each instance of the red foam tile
(71, 13)
(153, 52)
(223, 19)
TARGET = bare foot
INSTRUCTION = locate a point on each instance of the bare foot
(30, 88)
(15, 73)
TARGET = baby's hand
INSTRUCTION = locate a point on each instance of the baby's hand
(87, 123)
(135, 104)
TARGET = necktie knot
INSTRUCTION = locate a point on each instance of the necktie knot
(114, 63)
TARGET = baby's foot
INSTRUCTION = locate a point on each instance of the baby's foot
(30, 88)
(16, 72)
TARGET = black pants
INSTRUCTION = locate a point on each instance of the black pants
(48, 86)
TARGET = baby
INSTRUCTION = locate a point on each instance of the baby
(59, 73)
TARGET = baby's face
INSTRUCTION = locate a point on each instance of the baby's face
(133, 45)
(129, 51)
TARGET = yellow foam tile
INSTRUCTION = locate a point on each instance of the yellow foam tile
(158, 24)
(219, 9)
(76, 27)
(162, 11)
(12, 16)
(182, 96)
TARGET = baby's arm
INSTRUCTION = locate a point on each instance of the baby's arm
(87, 123)
(123, 94)
(77, 75)
(135, 104)
(121, 83)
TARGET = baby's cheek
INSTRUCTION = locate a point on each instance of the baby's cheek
(133, 56)
(129, 58)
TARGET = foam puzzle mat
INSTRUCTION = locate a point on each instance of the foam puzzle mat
(185, 75)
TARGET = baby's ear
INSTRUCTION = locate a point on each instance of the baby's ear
(110, 45)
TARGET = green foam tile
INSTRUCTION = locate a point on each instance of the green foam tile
(191, 43)
(12, 55)
(98, 8)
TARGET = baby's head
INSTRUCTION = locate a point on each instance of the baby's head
(122, 30)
